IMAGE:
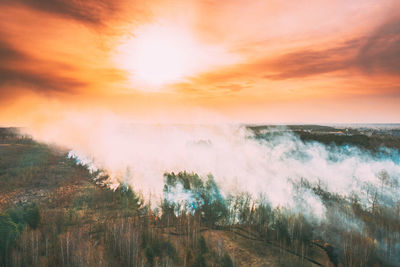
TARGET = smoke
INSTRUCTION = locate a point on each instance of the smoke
(139, 155)
(186, 200)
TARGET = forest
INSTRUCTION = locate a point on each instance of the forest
(55, 212)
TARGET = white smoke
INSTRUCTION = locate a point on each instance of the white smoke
(139, 155)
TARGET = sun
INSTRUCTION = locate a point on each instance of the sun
(158, 54)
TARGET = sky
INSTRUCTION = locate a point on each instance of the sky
(204, 61)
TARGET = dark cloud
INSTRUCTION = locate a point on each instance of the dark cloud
(42, 80)
(7, 53)
(381, 51)
(19, 69)
(88, 11)
(310, 62)
(378, 53)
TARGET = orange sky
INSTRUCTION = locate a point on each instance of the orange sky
(175, 61)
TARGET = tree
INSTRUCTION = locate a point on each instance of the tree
(32, 215)
(214, 207)
(8, 236)
(149, 255)
(200, 261)
(226, 261)
(202, 246)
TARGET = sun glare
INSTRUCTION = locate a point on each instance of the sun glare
(157, 55)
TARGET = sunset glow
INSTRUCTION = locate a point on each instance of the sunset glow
(258, 62)
(156, 55)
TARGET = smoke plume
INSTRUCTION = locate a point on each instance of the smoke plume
(139, 155)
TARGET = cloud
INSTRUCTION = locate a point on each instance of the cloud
(310, 62)
(63, 46)
(58, 48)
(8, 53)
(234, 87)
(41, 82)
(376, 53)
(18, 71)
(381, 51)
(362, 57)
(89, 11)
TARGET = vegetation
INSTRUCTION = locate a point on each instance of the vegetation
(52, 213)
(202, 198)
(369, 139)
